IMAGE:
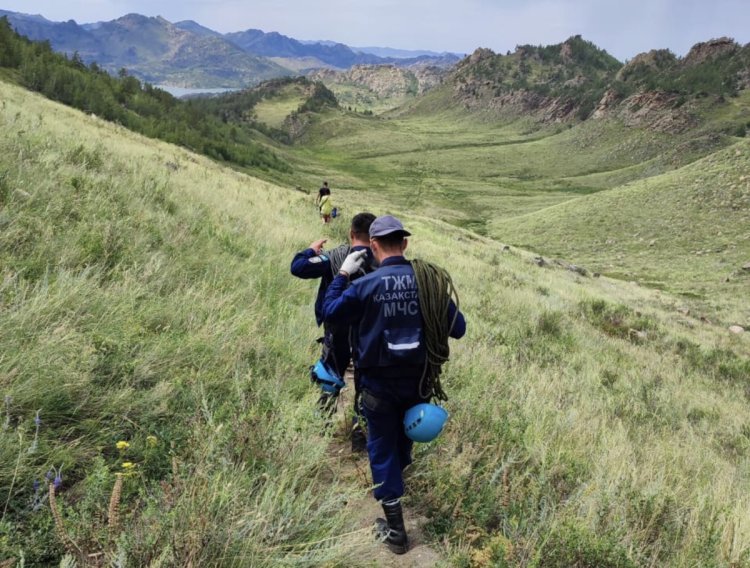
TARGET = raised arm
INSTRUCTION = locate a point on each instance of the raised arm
(311, 262)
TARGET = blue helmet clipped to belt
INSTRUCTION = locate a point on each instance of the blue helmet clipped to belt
(423, 422)
(326, 377)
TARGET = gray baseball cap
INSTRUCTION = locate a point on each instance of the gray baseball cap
(385, 225)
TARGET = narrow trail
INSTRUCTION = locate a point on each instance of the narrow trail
(354, 468)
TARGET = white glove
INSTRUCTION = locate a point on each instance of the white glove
(353, 262)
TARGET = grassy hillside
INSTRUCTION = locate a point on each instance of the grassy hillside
(281, 108)
(274, 112)
(146, 298)
(142, 288)
(126, 101)
(687, 231)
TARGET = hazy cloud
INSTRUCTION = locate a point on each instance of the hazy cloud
(622, 28)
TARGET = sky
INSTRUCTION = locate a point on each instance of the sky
(623, 27)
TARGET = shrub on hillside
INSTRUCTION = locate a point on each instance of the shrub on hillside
(572, 545)
(618, 320)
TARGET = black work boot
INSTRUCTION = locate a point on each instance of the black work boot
(359, 438)
(391, 530)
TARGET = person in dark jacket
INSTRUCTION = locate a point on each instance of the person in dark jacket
(322, 192)
(387, 328)
(314, 262)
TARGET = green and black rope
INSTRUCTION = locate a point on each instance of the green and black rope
(435, 290)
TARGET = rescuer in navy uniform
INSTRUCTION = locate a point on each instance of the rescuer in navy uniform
(313, 262)
(383, 309)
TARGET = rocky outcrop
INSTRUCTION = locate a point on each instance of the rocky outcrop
(566, 51)
(709, 50)
(296, 125)
(428, 77)
(608, 102)
(480, 54)
(656, 110)
(384, 80)
(654, 60)
(655, 90)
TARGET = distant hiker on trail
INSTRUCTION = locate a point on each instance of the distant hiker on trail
(325, 202)
(313, 262)
(397, 315)
(324, 190)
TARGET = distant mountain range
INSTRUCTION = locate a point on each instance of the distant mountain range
(188, 54)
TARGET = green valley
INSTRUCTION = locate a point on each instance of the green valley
(154, 349)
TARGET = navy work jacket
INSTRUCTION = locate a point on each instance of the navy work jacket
(383, 309)
(306, 264)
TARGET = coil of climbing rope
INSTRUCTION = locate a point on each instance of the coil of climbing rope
(435, 290)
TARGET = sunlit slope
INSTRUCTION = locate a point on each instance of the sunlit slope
(146, 291)
(139, 297)
(687, 231)
(274, 110)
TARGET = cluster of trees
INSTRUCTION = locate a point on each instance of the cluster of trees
(321, 99)
(576, 71)
(718, 75)
(123, 99)
(577, 51)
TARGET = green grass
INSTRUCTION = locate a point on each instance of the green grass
(466, 154)
(145, 292)
(360, 98)
(686, 231)
(137, 302)
(274, 111)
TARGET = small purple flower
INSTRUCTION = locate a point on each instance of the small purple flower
(36, 486)
(49, 475)
(58, 481)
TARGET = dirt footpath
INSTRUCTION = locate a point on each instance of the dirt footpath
(355, 468)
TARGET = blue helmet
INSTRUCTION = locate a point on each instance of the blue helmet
(423, 422)
(326, 377)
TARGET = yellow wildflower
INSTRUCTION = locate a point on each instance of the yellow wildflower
(152, 441)
(128, 466)
(122, 445)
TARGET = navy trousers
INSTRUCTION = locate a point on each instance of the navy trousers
(388, 447)
(337, 354)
